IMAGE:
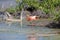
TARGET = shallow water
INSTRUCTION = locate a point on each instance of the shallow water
(14, 31)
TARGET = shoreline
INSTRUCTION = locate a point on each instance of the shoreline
(41, 22)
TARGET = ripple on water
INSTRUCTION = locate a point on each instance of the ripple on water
(13, 31)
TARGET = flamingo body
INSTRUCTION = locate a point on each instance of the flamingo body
(31, 18)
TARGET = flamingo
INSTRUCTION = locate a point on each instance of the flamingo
(32, 18)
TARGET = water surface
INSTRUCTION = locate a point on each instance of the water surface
(14, 31)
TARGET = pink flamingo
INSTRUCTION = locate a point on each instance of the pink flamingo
(32, 18)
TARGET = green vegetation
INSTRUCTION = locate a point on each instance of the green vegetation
(48, 6)
(11, 10)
